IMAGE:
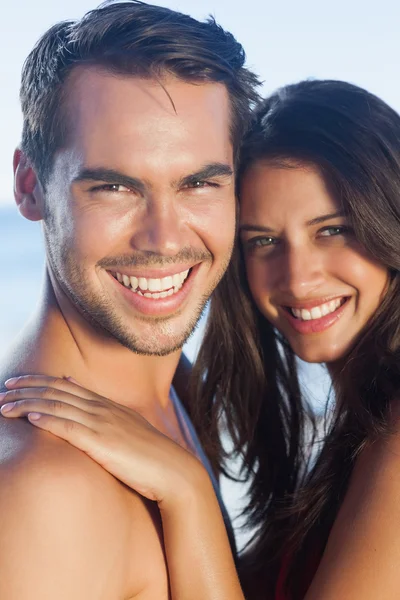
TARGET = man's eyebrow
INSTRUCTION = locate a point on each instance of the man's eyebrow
(109, 176)
(210, 171)
(322, 218)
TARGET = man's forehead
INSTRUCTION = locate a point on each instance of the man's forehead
(95, 84)
(134, 125)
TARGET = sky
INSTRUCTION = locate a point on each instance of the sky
(353, 40)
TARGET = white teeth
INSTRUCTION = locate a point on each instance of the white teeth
(317, 311)
(152, 287)
(325, 310)
(142, 283)
(166, 283)
(176, 280)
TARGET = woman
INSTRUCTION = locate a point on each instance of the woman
(320, 231)
(316, 149)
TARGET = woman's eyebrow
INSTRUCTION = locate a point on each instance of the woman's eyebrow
(323, 218)
(249, 227)
(315, 221)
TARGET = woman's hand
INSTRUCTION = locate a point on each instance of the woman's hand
(116, 437)
(199, 558)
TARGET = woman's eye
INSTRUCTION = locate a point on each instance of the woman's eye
(262, 242)
(334, 230)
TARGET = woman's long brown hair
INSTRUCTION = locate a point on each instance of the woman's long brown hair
(247, 373)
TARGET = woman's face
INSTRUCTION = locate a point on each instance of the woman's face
(307, 273)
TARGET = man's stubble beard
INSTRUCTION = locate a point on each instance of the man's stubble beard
(100, 314)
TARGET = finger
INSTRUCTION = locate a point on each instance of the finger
(75, 433)
(23, 408)
(58, 383)
(51, 395)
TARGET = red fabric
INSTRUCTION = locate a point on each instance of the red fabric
(280, 593)
(306, 579)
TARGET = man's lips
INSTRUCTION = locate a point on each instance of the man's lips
(153, 286)
(156, 303)
(151, 272)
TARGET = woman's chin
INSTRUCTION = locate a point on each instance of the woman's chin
(316, 353)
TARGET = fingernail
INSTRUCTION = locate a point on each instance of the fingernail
(34, 416)
(7, 407)
(11, 381)
(72, 380)
(2, 395)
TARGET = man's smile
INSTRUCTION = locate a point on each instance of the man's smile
(156, 296)
(151, 287)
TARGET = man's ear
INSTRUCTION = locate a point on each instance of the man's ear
(28, 192)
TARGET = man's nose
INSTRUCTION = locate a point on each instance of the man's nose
(160, 229)
(302, 271)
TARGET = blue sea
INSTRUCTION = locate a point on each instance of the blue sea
(21, 267)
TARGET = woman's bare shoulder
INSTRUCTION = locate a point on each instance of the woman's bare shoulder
(363, 550)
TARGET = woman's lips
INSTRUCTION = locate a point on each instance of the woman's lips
(315, 325)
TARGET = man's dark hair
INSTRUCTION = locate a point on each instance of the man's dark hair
(132, 38)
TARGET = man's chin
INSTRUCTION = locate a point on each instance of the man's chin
(158, 347)
(155, 336)
(153, 340)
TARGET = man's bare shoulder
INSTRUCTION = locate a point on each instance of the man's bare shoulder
(59, 508)
(65, 503)
(63, 519)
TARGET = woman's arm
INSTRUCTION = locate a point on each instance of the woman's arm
(199, 558)
(362, 557)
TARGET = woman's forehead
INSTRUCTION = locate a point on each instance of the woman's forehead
(277, 192)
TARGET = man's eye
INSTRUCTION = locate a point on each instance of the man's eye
(198, 184)
(110, 187)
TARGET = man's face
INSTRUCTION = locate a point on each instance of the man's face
(140, 205)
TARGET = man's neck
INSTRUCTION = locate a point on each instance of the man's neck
(58, 341)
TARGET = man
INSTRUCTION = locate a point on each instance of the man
(132, 120)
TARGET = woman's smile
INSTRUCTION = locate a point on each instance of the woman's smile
(308, 274)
